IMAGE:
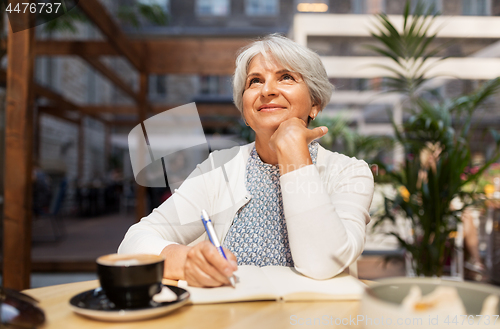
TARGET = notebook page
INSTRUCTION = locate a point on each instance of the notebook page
(251, 284)
(293, 286)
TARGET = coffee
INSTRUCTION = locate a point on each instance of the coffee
(128, 260)
(130, 281)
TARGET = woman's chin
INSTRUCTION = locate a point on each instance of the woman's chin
(268, 128)
(273, 116)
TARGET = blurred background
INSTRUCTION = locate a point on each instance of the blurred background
(107, 65)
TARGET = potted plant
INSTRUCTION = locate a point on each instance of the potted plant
(343, 138)
(435, 141)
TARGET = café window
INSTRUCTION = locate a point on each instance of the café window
(164, 4)
(367, 6)
(212, 7)
(476, 7)
(358, 7)
(157, 86)
(436, 5)
(262, 7)
(215, 85)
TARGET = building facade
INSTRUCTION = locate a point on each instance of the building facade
(337, 30)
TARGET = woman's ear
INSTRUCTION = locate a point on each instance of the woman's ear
(315, 109)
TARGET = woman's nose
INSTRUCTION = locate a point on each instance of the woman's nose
(269, 88)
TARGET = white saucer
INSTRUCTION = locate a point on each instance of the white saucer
(96, 305)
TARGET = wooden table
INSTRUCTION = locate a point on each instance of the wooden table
(54, 300)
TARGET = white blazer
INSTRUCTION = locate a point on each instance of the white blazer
(325, 206)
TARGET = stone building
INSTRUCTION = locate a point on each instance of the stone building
(309, 22)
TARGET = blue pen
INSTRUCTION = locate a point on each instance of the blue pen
(209, 228)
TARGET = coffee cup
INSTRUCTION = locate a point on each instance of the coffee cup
(130, 281)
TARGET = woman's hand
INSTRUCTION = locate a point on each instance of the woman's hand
(293, 132)
(200, 265)
(290, 142)
(205, 267)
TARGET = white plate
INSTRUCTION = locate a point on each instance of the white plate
(94, 304)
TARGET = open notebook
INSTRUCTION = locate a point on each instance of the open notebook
(277, 283)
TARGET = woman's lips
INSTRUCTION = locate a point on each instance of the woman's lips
(270, 108)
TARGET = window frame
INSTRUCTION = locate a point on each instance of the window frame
(487, 8)
(262, 14)
(165, 7)
(212, 14)
(438, 8)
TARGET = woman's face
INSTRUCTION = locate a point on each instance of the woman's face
(273, 95)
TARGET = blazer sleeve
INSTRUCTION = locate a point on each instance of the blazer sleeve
(177, 220)
(326, 215)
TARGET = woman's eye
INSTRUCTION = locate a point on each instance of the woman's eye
(287, 77)
(252, 81)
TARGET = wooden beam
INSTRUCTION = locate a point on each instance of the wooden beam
(54, 97)
(204, 109)
(74, 48)
(18, 196)
(59, 113)
(98, 14)
(211, 56)
(113, 109)
(143, 108)
(36, 133)
(3, 77)
(112, 76)
(62, 102)
(140, 204)
(81, 149)
(88, 51)
(175, 55)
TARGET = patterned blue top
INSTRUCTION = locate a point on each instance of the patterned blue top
(258, 235)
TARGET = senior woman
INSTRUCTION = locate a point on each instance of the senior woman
(282, 200)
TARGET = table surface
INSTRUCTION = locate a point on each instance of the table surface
(54, 300)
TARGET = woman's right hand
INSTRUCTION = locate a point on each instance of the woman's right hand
(200, 265)
(205, 267)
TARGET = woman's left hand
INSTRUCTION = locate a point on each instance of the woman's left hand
(290, 142)
(294, 132)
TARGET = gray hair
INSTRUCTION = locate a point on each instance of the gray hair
(290, 55)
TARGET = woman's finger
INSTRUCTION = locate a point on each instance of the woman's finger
(218, 263)
(317, 133)
(198, 278)
(210, 268)
(231, 258)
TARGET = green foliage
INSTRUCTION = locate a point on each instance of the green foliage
(151, 12)
(66, 22)
(352, 143)
(243, 131)
(409, 50)
(437, 154)
(435, 140)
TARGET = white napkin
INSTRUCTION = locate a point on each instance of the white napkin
(165, 295)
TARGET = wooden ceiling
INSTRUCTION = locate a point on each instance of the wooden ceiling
(205, 56)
